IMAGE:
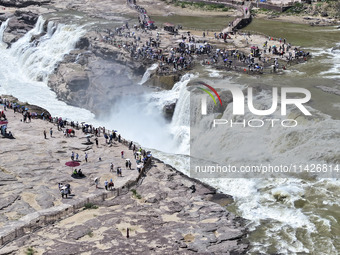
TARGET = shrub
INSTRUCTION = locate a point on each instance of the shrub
(30, 251)
(90, 206)
(134, 192)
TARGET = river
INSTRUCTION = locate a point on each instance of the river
(285, 215)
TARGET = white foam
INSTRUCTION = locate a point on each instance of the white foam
(25, 63)
(148, 73)
(2, 30)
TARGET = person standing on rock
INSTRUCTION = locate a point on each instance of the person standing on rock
(62, 191)
(45, 134)
(96, 181)
(106, 184)
(111, 167)
(51, 132)
(122, 153)
(86, 156)
(96, 141)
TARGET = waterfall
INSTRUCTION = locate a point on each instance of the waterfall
(179, 126)
(38, 55)
(25, 67)
(148, 73)
(2, 30)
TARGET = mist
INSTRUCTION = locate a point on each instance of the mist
(138, 120)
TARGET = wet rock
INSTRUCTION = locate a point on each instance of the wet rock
(221, 199)
(83, 43)
(77, 80)
(18, 25)
(28, 17)
(169, 110)
(164, 81)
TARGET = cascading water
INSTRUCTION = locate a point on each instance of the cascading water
(179, 126)
(36, 57)
(25, 66)
(147, 110)
(148, 73)
(2, 30)
(333, 57)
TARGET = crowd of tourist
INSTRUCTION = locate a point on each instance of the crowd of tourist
(110, 136)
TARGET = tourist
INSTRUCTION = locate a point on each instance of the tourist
(111, 185)
(96, 182)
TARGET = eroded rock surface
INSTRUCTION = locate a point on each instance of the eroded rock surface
(163, 215)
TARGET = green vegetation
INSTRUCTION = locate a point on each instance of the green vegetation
(90, 206)
(134, 192)
(296, 9)
(265, 11)
(201, 5)
(90, 234)
(30, 251)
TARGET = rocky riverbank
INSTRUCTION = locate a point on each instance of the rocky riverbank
(166, 212)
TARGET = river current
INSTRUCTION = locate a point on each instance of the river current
(284, 215)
